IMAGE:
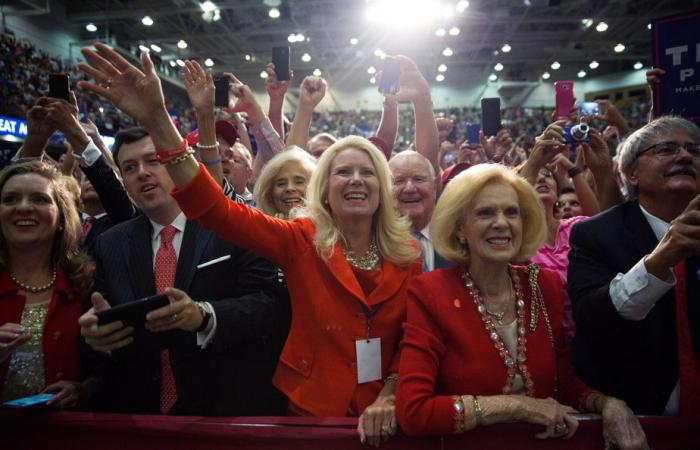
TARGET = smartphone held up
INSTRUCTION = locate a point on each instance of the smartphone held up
(391, 73)
(59, 86)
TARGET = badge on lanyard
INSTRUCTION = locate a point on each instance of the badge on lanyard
(369, 359)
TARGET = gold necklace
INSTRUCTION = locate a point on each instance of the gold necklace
(36, 289)
(368, 261)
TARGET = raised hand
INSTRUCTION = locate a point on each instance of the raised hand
(412, 84)
(199, 84)
(312, 91)
(136, 92)
(276, 89)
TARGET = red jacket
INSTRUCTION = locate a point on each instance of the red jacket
(61, 337)
(317, 368)
(447, 351)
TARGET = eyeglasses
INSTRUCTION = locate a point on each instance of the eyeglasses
(666, 150)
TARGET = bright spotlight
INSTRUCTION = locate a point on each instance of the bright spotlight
(263, 75)
(156, 48)
(292, 38)
(180, 63)
(555, 65)
(594, 64)
(442, 68)
(373, 80)
(147, 21)
(493, 77)
(371, 70)
(462, 5)
(306, 57)
(181, 44)
(173, 64)
(447, 52)
(619, 48)
(208, 62)
(274, 13)
(638, 65)
(317, 72)
(247, 57)
(207, 6)
(545, 76)
(91, 27)
(143, 48)
(353, 41)
(380, 53)
(648, 26)
(408, 13)
(587, 22)
(454, 31)
(581, 73)
(498, 67)
(440, 77)
(506, 48)
(602, 26)
(440, 32)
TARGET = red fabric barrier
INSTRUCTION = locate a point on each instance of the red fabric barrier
(78, 430)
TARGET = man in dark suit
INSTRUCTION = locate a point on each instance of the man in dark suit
(633, 277)
(415, 191)
(213, 349)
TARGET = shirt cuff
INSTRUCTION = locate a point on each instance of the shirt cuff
(89, 156)
(204, 338)
(19, 158)
(636, 292)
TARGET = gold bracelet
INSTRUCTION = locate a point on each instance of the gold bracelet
(205, 147)
(478, 413)
(189, 152)
(391, 377)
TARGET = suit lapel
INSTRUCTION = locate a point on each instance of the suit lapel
(194, 241)
(341, 270)
(140, 258)
(641, 233)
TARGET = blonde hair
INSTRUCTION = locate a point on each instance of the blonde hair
(391, 232)
(266, 180)
(457, 200)
(66, 254)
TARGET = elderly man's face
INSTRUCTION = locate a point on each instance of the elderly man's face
(658, 176)
(414, 189)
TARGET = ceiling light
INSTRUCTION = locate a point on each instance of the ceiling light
(208, 62)
(447, 12)
(493, 77)
(498, 67)
(274, 13)
(648, 26)
(594, 64)
(506, 48)
(380, 53)
(545, 76)
(207, 6)
(292, 38)
(373, 80)
(602, 26)
(180, 63)
(462, 5)
(181, 44)
(581, 73)
(555, 65)
(587, 22)
(143, 48)
(91, 27)
(454, 31)
(247, 57)
(440, 77)
(317, 72)
(263, 74)
(155, 48)
(371, 70)
(147, 21)
(440, 32)
(495, 53)
(638, 65)
(306, 57)
(353, 41)
(447, 52)
(300, 37)
(173, 64)
(619, 48)
(442, 68)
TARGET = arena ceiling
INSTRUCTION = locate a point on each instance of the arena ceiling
(238, 34)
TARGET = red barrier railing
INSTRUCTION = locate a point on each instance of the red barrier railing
(79, 430)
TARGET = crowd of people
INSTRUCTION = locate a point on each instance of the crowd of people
(445, 287)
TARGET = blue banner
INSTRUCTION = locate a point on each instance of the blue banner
(676, 43)
(13, 127)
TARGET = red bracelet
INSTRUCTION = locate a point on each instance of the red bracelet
(164, 155)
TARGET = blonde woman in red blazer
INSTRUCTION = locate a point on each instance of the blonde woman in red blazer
(43, 281)
(483, 342)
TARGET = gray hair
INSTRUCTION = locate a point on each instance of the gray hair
(412, 153)
(644, 138)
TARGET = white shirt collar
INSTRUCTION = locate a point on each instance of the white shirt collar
(658, 226)
(179, 224)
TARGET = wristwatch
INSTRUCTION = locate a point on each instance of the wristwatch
(206, 317)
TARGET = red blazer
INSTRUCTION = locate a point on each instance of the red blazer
(317, 368)
(60, 341)
(447, 351)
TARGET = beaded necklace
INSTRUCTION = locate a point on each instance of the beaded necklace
(368, 261)
(35, 289)
(513, 365)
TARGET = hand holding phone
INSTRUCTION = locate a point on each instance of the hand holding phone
(59, 86)
(491, 115)
(221, 92)
(389, 79)
(280, 58)
(32, 401)
(473, 134)
(132, 313)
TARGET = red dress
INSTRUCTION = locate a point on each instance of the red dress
(447, 351)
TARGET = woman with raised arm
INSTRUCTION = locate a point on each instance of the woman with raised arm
(347, 264)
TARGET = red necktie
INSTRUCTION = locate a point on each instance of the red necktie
(85, 230)
(166, 264)
(687, 364)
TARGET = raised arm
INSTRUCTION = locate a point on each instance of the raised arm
(389, 123)
(311, 92)
(276, 90)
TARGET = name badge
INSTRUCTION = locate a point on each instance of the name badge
(369, 359)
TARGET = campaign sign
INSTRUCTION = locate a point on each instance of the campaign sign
(676, 44)
(13, 127)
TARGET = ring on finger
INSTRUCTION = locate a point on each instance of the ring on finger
(106, 83)
(174, 317)
(386, 429)
(560, 429)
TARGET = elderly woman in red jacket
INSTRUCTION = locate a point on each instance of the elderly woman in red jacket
(483, 342)
(43, 279)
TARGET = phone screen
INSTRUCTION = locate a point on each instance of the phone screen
(563, 98)
(221, 92)
(491, 115)
(389, 81)
(280, 58)
(28, 402)
(473, 134)
(588, 109)
(58, 86)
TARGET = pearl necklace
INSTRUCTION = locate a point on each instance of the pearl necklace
(368, 261)
(513, 365)
(35, 289)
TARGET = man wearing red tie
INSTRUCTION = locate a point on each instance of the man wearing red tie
(634, 277)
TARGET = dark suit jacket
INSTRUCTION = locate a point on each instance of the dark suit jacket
(636, 361)
(232, 376)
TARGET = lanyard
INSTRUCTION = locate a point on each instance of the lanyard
(369, 315)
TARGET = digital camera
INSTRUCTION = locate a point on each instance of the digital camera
(576, 133)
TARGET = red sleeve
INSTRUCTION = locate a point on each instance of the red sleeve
(418, 409)
(273, 239)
